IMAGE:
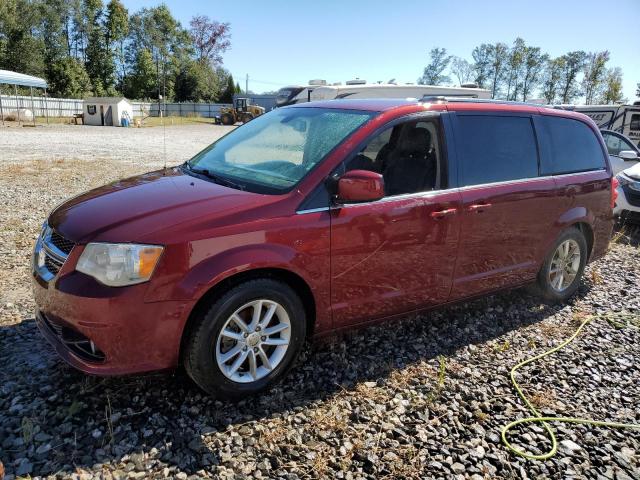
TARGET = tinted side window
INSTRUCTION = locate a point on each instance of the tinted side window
(574, 146)
(635, 122)
(495, 149)
(407, 155)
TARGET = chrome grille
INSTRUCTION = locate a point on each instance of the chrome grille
(52, 264)
(50, 253)
(61, 243)
(633, 196)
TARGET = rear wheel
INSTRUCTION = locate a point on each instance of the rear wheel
(247, 117)
(247, 339)
(560, 275)
(226, 119)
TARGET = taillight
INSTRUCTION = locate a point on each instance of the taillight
(614, 191)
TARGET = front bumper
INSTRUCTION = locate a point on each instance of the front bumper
(623, 207)
(107, 331)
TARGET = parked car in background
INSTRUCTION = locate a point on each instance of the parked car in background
(623, 153)
(627, 207)
(315, 218)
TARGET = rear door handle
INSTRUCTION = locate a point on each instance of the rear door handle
(478, 207)
(443, 213)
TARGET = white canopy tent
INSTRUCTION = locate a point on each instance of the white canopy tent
(16, 79)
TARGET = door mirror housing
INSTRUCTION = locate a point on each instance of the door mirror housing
(357, 186)
(628, 155)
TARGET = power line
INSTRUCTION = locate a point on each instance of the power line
(266, 82)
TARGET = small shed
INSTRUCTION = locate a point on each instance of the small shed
(107, 111)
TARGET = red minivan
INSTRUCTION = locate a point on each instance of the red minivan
(314, 218)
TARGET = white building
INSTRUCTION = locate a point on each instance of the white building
(107, 111)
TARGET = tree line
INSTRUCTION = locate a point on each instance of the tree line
(522, 72)
(88, 47)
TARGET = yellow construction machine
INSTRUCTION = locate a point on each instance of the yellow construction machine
(242, 111)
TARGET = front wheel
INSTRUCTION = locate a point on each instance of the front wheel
(562, 270)
(227, 119)
(247, 339)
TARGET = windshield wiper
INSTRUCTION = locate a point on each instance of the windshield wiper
(212, 176)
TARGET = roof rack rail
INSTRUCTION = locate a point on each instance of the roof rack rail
(473, 99)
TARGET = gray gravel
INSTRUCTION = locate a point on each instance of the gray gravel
(136, 145)
(425, 397)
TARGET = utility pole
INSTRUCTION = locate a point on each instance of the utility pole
(246, 85)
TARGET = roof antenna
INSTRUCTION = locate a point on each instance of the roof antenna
(163, 112)
(164, 132)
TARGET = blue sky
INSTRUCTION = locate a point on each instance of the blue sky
(281, 42)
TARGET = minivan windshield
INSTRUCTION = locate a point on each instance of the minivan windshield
(273, 152)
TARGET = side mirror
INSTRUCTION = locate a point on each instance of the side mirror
(628, 155)
(360, 186)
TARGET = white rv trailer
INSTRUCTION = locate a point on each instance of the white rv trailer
(297, 93)
(331, 92)
(319, 90)
(624, 119)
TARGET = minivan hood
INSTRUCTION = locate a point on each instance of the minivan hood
(138, 206)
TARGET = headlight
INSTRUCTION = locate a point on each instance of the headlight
(119, 264)
(622, 179)
(627, 181)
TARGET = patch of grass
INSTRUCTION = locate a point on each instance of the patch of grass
(620, 236)
(442, 371)
(596, 278)
(441, 378)
(481, 416)
(27, 427)
(107, 414)
(172, 120)
(55, 121)
(544, 399)
(331, 419)
(502, 347)
(320, 462)
(552, 331)
(408, 463)
(74, 408)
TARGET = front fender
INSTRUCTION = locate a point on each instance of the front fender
(212, 270)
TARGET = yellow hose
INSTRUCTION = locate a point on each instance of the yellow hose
(620, 320)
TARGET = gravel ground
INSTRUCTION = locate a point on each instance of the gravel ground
(140, 146)
(426, 398)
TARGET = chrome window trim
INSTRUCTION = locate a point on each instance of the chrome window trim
(313, 210)
(431, 193)
(531, 179)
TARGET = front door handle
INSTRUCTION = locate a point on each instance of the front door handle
(443, 213)
(478, 207)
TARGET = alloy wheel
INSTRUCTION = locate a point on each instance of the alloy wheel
(564, 265)
(253, 341)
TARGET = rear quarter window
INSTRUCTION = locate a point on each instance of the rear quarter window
(493, 148)
(573, 147)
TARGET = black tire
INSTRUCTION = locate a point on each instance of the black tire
(227, 119)
(201, 348)
(544, 282)
(247, 117)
